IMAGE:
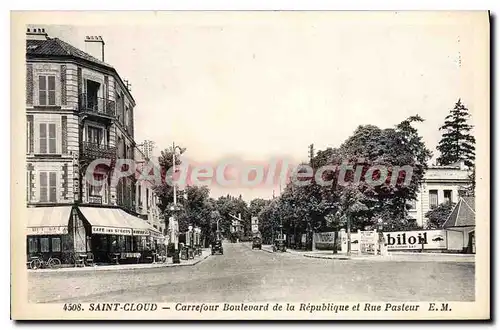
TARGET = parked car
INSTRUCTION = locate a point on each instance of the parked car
(217, 247)
(257, 243)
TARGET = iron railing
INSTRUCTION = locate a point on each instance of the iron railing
(95, 151)
(97, 105)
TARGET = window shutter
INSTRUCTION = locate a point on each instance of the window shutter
(52, 90)
(52, 138)
(29, 84)
(64, 129)
(30, 134)
(53, 187)
(43, 138)
(63, 85)
(42, 90)
(43, 186)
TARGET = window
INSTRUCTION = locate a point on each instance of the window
(433, 198)
(47, 90)
(412, 204)
(44, 244)
(127, 122)
(32, 245)
(147, 199)
(95, 135)
(447, 196)
(47, 138)
(56, 244)
(48, 187)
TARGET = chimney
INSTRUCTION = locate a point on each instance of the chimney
(34, 33)
(94, 45)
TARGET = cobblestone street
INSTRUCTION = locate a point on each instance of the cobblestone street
(247, 275)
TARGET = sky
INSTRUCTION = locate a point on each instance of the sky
(270, 84)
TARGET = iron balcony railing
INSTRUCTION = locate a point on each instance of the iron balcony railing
(97, 105)
(95, 199)
(93, 151)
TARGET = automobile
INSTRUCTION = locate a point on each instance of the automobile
(217, 247)
(279, 245)
(437, 239)
(257, 243)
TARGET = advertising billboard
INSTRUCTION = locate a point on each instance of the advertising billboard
(416, 240)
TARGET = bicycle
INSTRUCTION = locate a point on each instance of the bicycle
(37, 263)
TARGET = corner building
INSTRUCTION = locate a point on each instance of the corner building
(78, 109)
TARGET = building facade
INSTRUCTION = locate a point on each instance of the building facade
(441, 184)
(79, 110)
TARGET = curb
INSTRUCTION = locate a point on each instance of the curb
(96, 268)
(325, 257)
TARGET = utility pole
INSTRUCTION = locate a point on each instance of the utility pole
(311, 153)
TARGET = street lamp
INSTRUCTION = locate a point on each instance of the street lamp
(174, 208)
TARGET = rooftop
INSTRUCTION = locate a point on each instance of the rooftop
(57, 47)
(463, 215)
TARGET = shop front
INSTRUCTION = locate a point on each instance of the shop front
(118, 237)
(48, 233)
(109, 234)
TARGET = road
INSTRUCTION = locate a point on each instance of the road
(246, 275)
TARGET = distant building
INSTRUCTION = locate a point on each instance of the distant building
(440, 184)
(147, 148)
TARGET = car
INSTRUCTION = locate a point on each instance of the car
(257, 243)
(217, 247)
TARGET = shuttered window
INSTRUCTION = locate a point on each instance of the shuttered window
(433, 198)
(47, 90)
(47, 138)
(48, 187)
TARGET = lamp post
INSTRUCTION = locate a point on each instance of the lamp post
(174, 208)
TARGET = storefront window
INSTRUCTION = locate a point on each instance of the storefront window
(56, 244)
(44, 244)
(128, 243)
(32, 245)
(121, 243)
(113, 239)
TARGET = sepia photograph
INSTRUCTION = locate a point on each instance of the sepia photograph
(250, 165)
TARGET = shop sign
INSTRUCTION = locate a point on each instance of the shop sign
(328, 237)
(111, 231)
(154, 233)
(416, 240)
(141, 232)
(51, 230)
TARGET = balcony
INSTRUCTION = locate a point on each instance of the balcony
(95, 200)
(91, 151)
(97, 107)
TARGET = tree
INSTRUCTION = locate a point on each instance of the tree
(457, 143)
(438, 215)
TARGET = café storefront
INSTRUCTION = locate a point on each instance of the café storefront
(116, 236)
(48, 232)
(111, 235)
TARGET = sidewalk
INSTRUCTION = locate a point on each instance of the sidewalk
(392, 256)
(205, 253)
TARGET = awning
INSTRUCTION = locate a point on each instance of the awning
(109, 221)
(48, 220)
(139, 227)
(114, 221)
